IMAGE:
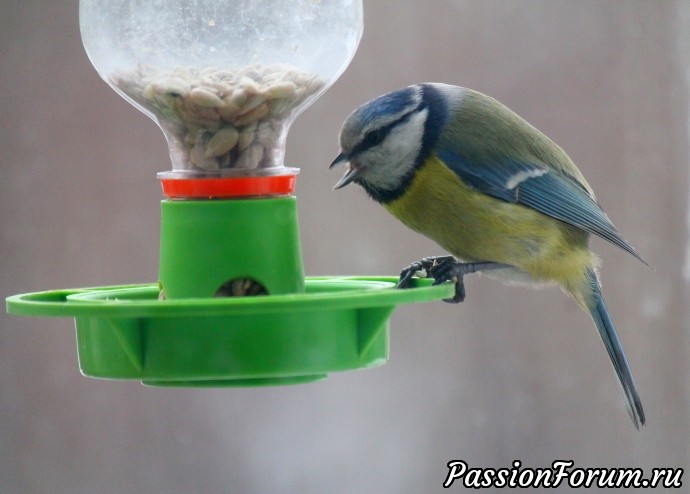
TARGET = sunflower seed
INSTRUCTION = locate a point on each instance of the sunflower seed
(205, 98)
(251, 157)
(256, 114)
(280, 90)
(222, 142)
(247, 136)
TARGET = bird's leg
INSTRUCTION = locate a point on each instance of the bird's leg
(454, 271)
(446, 268)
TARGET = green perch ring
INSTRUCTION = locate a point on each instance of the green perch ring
(125, 332)
(201, 333)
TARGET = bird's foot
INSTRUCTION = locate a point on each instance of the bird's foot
(421, 269)
(446, 268)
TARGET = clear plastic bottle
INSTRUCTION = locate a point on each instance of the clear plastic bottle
(224, 80)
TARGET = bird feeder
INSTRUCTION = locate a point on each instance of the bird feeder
(224, 80)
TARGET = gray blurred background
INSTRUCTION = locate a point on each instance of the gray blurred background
(511, 374)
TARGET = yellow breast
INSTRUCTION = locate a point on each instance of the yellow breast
(476, 227)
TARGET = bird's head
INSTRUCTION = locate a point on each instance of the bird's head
(384, 140)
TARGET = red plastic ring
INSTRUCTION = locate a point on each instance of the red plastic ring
(219, 187)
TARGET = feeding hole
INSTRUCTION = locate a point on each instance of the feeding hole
(241, 287)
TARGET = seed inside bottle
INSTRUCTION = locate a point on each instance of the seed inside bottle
(221, 119)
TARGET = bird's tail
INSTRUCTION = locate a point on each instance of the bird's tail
(607, 330)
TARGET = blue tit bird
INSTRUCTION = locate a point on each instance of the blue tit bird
(464, 170)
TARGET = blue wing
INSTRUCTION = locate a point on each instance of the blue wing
(543, 189)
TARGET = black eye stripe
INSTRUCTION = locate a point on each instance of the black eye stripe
(376, 136)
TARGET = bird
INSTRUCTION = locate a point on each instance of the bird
(462, 169)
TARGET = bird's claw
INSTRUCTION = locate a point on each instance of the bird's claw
(446, 268)
(450, 270)
(441, 269)
(421, 268)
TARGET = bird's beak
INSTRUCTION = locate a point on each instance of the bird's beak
(349, 176)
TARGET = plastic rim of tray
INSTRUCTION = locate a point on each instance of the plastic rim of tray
(125, 332)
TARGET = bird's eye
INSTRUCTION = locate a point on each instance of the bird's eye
(374, 137)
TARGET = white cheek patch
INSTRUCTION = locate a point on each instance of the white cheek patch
(393, 159)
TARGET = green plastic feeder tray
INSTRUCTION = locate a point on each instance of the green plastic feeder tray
(196, 335)
(127, 333)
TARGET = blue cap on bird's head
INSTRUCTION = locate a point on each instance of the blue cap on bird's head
(388, 105)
